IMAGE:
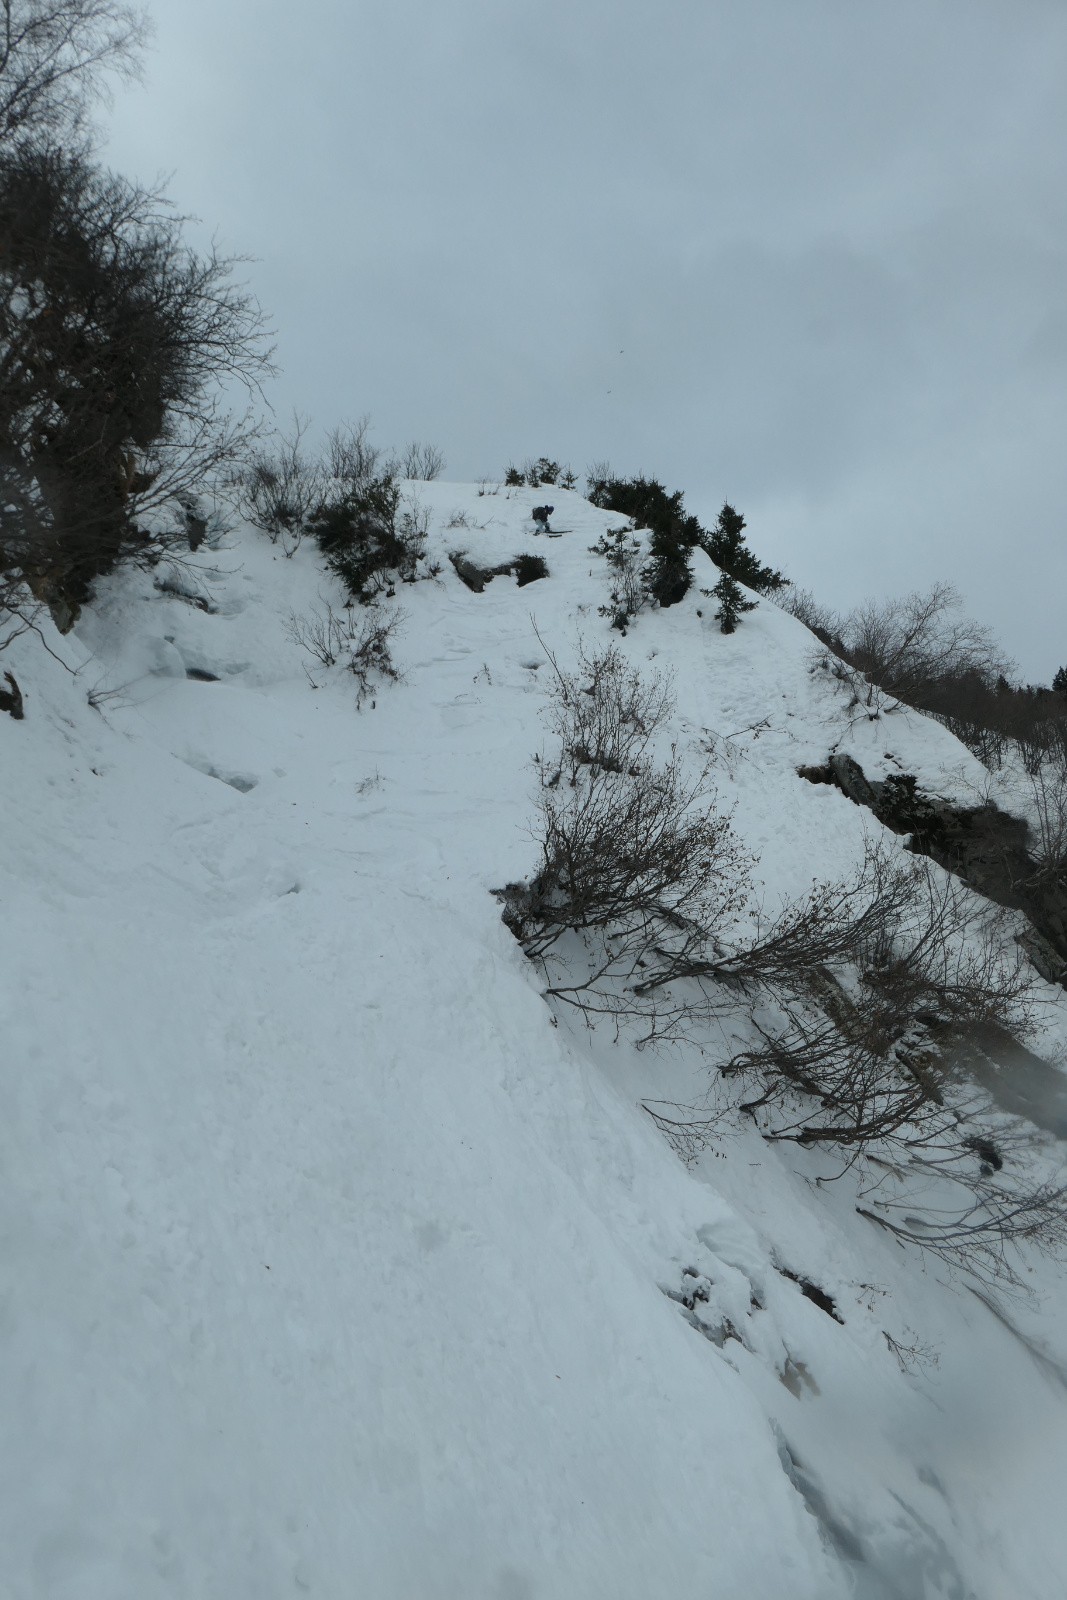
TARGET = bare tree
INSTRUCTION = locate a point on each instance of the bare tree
(597, 476)
(1048, 789)
(907, 646)
(115, 342)
(54, 57)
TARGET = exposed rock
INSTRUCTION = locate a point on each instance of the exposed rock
(11, 699)
(988, 848)
(848, 775)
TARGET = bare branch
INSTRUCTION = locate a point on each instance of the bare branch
(54, 58)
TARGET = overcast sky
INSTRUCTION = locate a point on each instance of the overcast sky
(810, 255)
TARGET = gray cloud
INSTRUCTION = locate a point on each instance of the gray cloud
(812, 257)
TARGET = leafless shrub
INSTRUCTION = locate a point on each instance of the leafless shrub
(829, 924)
(913, 1354)
(422, 461)
(360, 641)
(871, 983)
(351, 459)
(282, 490)
(824, 623)
(976, 1217)
(370, 654)
(689, 1130)
(860, 1059)
(597, 476)
(861, 973)
(1048, 789)
(19, 613)
(635, 861)
(323, 634)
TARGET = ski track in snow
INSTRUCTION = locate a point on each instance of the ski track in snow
(330, 1266)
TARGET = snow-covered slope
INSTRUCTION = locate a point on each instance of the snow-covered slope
(335, 1264)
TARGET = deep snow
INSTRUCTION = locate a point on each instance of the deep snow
(333, 1263)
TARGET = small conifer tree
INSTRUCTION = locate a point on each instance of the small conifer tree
(667, 572)
(732, 602)
(675, 533)
(726, 546)
(1059, 682)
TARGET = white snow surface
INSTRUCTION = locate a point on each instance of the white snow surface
(333, 1264)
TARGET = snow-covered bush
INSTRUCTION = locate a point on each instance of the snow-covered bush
(621, 549)
(371, 537)
(528, 568)
(350, 499)
(360, 642)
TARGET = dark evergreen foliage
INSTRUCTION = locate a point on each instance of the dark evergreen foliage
(675, 533)
(668, 574)
(732, 602)
(364, 541)
(726, 546)
(529, 569)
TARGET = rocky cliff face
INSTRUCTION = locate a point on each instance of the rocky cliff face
(988, 848)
